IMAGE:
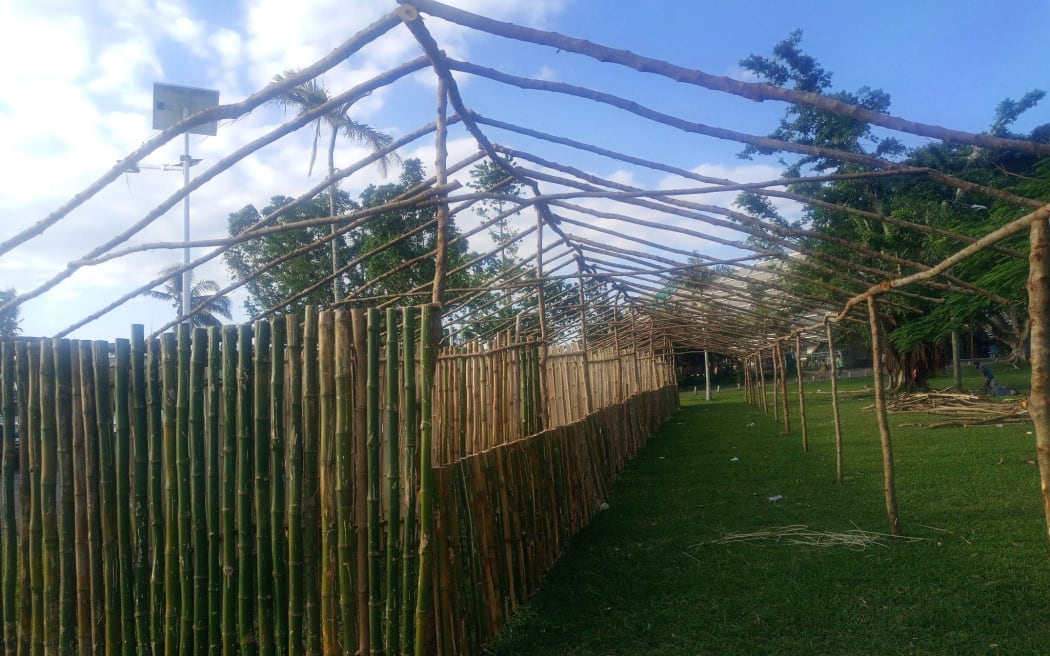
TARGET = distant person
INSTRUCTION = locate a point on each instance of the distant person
(823, 371)
(989, 377)
(992, 351)
(838, 365)
(918, 378)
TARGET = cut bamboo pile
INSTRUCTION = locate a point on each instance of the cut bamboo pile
(961, 408)
(324, 484)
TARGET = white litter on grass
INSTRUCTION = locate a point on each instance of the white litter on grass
(603, 506)
(734, 459)
(776, 497)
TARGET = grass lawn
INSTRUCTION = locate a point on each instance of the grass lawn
(646, 577)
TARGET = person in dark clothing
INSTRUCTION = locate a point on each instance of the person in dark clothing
(989, 377)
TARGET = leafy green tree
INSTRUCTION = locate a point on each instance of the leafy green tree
(10, 323)
(488, 176)
(297, 274)
(204, 291)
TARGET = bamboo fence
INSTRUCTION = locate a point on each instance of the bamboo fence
(324, 484)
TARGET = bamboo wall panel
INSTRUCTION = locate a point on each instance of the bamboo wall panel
(291, 487)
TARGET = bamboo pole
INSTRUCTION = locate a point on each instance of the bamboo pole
(230, 563)
(375, 599)
(783, 386)
(155, 493)
(760, 365)
(213, 435)
(888, 488)
(198, 559)
(34, 614)
(183, 486)
(801, 393)
(408, 541)
(296, 585)
(139, 492)
(393, 536)
(1039, 315)
(92, 494)
(81, 539)
(9, 401)
(310, 489)
(344, 483)
(108, 489)
(67, 594)
(264, 611)
(359, 451)
(49, 556)
(169, 375)
(243, 507)
(424, 620)
(835, 403)
(330, 611)
(121, 450)
(278, 502)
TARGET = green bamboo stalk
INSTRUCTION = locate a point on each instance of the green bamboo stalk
(393, 496)
(359, 449)
(82, 554)
(121, 451)
(139, 503)
(36, 526)
(310, 489)
(212, 436)
(25, 603)
(277, 485)
(108, 489)
(230, 564)
(263, 539)
(409, 545)
(326, 446)
(375, 598)
(172, 597)
(245, 477)
(155, 493)
(67, 594)
(346, 554)
(424, 601)
(198, 527)
(48, 497)
(294, 351)
(92, 496)
(185, 495)
(9, 403)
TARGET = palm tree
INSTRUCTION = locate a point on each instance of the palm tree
(312, 94)
(205, 291)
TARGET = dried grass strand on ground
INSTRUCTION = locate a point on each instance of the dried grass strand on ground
(802, 535)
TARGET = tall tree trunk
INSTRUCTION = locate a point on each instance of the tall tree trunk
(888, 486)
(337, 293)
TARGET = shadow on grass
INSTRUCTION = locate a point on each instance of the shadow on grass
(649, 575)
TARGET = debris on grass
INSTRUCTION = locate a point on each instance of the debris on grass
(856, 539)
(960, 408)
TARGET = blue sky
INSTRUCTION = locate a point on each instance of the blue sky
(79, 74)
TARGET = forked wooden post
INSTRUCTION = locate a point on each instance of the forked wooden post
(1039, 315)
(888, 487)
(835, 404)
(801, 393)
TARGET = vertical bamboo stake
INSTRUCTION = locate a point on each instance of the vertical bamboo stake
(122, 447)
(67, 594)
(294, 351)
(169, 376)
(777, 373)
(589, 392)
(1039, 314)
(263, 539)
(31, 440)
(82, 556)
(278, 502)
(108, 487)
(326, 446)
(424, 601)
(92, 492)
(408, 540)
(213, 435)
(245, 478)
(346, 554)
(441, 178)
(311, 514)
(783, 386)
(835, 404)
(888, 488)
(185, 498)
(541, 312)
(360, 489)
(801, 393)
(139, 502)
(230, 563)
(707, 376)
(375, 599)
(48, 497)
(393, 541)
(760, 365)
(9, 402)
(198, 527)
(155, 490)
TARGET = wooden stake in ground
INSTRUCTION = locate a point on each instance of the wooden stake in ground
(801, 393)
(1039, 315)
(880, 412)
(779, 352)
(835, 404)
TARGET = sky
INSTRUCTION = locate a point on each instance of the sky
(77, 97)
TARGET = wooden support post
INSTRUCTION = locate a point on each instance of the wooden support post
(583, 339)
(541, 309)
(707, 376)
(441, 178)
(835, 404)
(888, 488)
(762, 380)
(1039, 315)
(783, 386)
(801, 393)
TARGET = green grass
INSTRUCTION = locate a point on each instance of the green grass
(640, 580)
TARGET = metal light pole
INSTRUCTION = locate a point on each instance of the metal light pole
(171, 104)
